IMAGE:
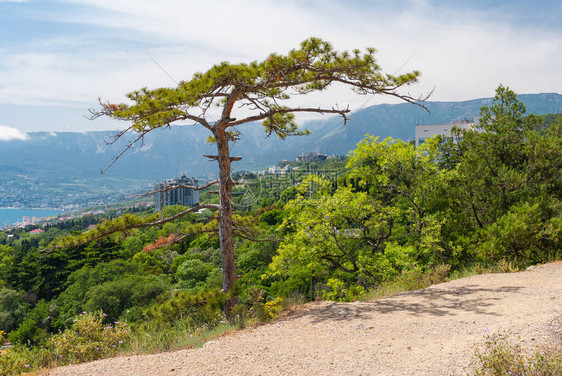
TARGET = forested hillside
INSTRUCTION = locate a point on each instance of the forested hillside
(40, 163)
(393, 215)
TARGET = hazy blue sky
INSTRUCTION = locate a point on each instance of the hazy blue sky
(58, 57)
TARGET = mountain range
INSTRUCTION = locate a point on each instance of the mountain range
(63, 157)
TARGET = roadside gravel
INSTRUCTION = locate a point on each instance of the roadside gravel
(426, 332)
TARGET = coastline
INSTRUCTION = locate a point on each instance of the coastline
(15, 216)
(46, 209)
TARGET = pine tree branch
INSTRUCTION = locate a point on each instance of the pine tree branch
(102, 233)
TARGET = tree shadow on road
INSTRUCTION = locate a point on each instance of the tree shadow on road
(434, 301)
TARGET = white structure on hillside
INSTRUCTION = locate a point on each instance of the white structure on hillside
(425, 131)
(276, 170)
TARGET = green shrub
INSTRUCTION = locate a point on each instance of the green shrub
(418, 278)
(11, 363)
(273, 308)
(115, 297)
(199, 308)
(151, 262)
(522, 235)
(12, 309)
(339, 291)
(503, 266)
(298, 281)
(20, 359)
(271, 218)
(253, 300)
(27, 334)
(192, 271)
(500, 357)
(88, 339)
(251, 307)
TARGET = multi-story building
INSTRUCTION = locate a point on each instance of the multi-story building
(176, 192)
(424, 132)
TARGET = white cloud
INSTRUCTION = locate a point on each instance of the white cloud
(459, 51)
(9, 134)
(463, 52)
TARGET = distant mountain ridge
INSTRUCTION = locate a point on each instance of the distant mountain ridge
(167, 153)
(399, 120)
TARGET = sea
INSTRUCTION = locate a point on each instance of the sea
(9, 216)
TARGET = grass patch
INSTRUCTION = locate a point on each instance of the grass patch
(501, 357)
(418, 278)
(413, 279)
(151, 338)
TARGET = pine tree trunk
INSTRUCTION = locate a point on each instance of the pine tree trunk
(229, 276)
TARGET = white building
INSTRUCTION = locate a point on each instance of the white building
(276, 170)
(424, 132)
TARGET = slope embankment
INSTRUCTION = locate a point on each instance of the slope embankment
(427, 332)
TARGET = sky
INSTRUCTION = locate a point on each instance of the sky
(58, 57)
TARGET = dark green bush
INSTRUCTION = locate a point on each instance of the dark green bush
(27, 334)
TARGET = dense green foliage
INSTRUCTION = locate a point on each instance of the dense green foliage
(397, 213)
(494, 196)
